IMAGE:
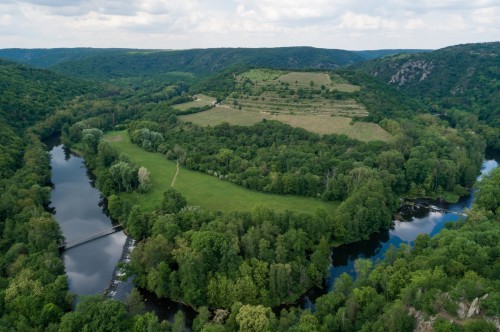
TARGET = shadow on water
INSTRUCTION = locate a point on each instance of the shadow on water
(166, 309)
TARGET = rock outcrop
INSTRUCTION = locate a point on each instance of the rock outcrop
(411, 71)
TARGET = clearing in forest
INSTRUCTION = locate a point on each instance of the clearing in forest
(201, 189)
(295, 80)
(304, 79)
(318, 102)
(260, 75)
(325, 124)
(199, 101)
(274, 91)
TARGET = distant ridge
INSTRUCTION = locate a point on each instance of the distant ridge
(102, 64)
(374, 54)
(48, 57)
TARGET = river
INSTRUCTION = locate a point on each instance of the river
(415, 221)
(79, 210)
(91, 267)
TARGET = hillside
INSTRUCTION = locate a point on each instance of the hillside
(115, 63)
(316, 101)
(48, 57)
(29, 94)
(462, 76)
(375, 54)
(105, 64)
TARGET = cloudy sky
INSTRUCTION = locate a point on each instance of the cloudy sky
(180, 24)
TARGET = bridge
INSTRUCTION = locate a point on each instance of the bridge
(91, 237)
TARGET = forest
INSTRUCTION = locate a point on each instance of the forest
(236, 268)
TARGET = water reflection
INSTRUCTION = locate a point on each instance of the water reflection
(418, 220)
(78, 210)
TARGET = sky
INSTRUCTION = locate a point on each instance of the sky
(183, 24)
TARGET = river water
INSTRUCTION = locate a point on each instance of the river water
(415, 221)
(79, 210)
(91, 267)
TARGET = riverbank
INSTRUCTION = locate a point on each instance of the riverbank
(119, 288)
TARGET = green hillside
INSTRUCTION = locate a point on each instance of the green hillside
(202, 61)
(316, 101)
(374, 54)
(462, 76)
(28, 94)
(120, 63)
(48, 57)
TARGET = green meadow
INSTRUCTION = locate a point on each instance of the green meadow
(200, 100)
(202, 189)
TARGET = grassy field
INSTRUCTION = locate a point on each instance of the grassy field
(366, 132)
(300, 99)
(295, 80)
(277, 92)
(222, 114)
(200, 101)
(304, 79)
(201, 189)
(260, 75)
(270, 103)
(321, 124)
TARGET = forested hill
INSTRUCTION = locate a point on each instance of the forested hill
(463, 77)
(28, 94)
(120, 63)
(48, 57)
(375, 54)
(203, 61)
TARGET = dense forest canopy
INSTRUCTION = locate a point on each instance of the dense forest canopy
(29, 94)
(235, 267)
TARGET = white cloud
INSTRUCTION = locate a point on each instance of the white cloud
(349, 24)
(284, 10)
(415, 24)
(487, 16)
(366, 22)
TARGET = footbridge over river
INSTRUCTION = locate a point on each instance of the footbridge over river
(91, 237)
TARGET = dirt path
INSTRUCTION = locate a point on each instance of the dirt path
(175, 176)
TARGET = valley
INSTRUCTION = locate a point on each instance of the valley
(261, 188)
